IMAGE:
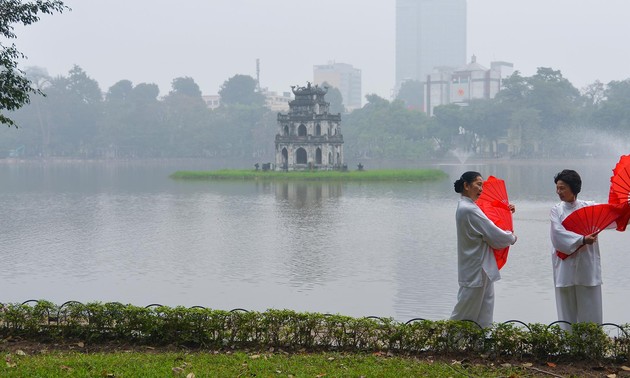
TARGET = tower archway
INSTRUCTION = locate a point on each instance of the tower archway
(300, 156)
(302, 130)
(285, 157)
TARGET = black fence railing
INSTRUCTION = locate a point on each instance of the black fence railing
(204, 327)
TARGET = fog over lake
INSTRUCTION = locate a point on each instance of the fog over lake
(128, 233)
(212, 41)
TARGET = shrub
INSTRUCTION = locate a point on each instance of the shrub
(96, 322)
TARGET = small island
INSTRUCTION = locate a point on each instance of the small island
(411, 175)
(309, 147)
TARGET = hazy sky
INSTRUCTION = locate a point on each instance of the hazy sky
(155, 41)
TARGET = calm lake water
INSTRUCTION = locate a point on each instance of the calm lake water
(128, 233)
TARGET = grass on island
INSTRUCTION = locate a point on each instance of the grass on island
(371, 175)
(237, 364)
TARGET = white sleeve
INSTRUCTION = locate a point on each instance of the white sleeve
(493, 235)
(562, 239)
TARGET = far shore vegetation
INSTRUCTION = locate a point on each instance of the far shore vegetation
(532, 117)
(409, 175)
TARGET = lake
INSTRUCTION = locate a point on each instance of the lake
(128, 233)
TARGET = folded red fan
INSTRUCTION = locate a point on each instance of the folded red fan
(493, 201)
(620, 190)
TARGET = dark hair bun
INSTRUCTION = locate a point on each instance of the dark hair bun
(459, 186)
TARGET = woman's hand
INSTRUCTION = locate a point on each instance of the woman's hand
(589, 239)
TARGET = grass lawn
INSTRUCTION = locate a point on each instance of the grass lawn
(238, 364)
(371, 175)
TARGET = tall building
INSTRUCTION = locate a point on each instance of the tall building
(343, 77)
(429, 33)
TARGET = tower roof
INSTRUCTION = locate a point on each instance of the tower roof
(472, 66)
(308, 90)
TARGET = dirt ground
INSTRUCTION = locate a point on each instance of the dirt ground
(583, 368)
(564, 369)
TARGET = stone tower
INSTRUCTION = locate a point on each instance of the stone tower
(308, 137)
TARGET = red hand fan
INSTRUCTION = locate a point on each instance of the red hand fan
(591, 220)
(493, 201)
(620, 190)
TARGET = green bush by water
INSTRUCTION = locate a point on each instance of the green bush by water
(368, 175)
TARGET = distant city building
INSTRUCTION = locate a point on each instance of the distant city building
(429, 33)
(308, 136)
(277, 102)
(212, 101)
(343, 77)
(274, 101)
(458, 86)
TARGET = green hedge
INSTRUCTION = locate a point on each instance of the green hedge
(201, 327)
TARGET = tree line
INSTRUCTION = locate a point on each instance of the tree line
(70, 116)
(543, 115)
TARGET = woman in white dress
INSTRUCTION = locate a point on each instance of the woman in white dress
(578, 277)
(476, 265)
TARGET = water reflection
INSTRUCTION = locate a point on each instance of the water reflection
(309, 227)
(307, 194)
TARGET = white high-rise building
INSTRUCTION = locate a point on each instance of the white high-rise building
(344, 77)
(429, 33)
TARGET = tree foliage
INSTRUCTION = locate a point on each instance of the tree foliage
(542, 115)
(411, 92)
(241, 89)
(15, 88)
(335, 98)
(72, 114)
(133, 121)
(185, 86)
(383, 129)
(614, 112)
(555, 98)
